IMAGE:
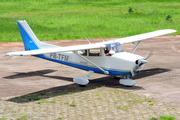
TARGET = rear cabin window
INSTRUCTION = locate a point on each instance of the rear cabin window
(91, 52)
(94, 52)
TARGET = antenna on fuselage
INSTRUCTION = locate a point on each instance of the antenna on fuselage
(101, 37)
(86, 39)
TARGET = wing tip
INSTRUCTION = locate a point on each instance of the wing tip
(170, 30)
(5, 55)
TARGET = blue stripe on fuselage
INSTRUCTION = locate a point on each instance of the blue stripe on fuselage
(87, 68)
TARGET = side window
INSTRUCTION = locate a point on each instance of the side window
(95, 52)
(83, 52)
(91, 52)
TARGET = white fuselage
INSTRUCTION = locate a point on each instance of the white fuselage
(116, 64)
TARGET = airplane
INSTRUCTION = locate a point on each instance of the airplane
(107, 57)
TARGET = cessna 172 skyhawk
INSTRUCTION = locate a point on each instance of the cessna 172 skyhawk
(117, 63)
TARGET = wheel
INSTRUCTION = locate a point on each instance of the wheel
(82, 85)
(116, 77)
(128, 86)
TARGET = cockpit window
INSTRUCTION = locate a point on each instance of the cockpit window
(116, 47)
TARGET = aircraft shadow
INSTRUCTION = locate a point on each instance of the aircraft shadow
(41, 73)
(150, 72)
(30, 74)
(106, 81)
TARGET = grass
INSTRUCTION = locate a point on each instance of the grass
(42, 101)
(93, 103)
(163, 118)
(59, 19)
(73, 104)
(3, 118)
(151, 103)
(22, 117)
(60, 118)
(167, 117)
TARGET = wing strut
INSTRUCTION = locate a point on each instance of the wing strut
(136, 46)
(105, 72)
(87, 39)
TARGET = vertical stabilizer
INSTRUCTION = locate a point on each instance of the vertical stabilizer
(30, 40)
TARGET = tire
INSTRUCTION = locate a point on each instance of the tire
(82, 85)
(117, 78)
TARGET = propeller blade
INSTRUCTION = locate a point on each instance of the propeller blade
(149, 54)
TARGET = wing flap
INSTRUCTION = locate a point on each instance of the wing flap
(60, 49)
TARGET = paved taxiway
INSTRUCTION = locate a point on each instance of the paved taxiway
(160, 78)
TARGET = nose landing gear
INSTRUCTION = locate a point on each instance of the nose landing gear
(127, 82)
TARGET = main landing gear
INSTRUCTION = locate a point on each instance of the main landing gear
(82, 81)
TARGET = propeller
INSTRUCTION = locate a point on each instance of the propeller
(141, 61)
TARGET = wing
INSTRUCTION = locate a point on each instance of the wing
(130, 39)
(60, 49)
(144, 36)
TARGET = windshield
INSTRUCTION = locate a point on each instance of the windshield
(116, 47)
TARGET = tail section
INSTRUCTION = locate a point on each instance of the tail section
(30, 40)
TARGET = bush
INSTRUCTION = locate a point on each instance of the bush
(130, 10)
